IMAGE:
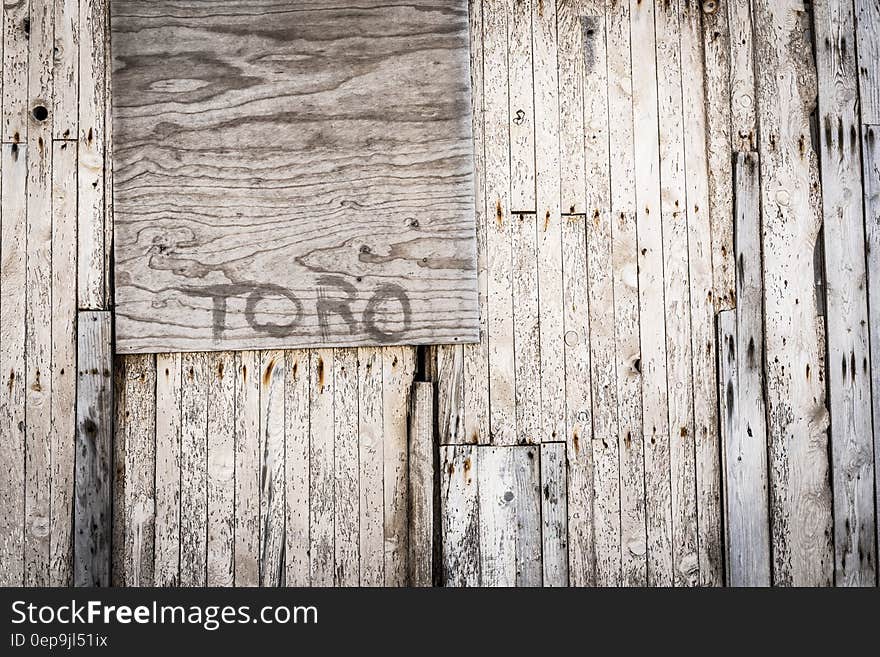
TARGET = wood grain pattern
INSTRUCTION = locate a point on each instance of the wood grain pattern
(320, 195)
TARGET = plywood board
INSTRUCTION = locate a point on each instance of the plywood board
(292, 174)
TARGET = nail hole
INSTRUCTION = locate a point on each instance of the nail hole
(40, 113)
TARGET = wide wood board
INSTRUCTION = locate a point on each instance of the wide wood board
(292, 174)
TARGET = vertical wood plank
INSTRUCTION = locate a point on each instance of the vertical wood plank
(66, 71)
(868, 45)
(551, 344)
(500, 325)
(371, 467)
(741, 396)
(791, 202)
(526, 330)
(16, 34)
(346, 541)
(91, 562)
(397, 376)
(193, 471)
(322, 484)
(64, 350)
(449, 364)
(221, 469)
(744, 121)
(13, 273)
(296, 468)
(702, 261)
(852, 444)
(420, 560)
(554, 525)
(573, 49)
(92, 96)
(247, 468)
(137, 419)
(522, 109)
(460, 515)
(272, 505)
(626, 299)
(168, 469)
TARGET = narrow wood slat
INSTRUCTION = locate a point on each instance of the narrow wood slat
(168, 469)
(247, 468)
(554, 503)
(715, 31)
(574, 60)
(322, 483)
(16, 29)
(64, 367)
(346, 541)
(702, 261)
(595, 517)
(13, 273)
(94, 435)
(849, 401)
(65, 100)
(91, 135)
(626, 299)
(526, 330)
(871, 164)
(652, 317)
(193, 470)
(136, 427)
(521, 108)
(510, 516)
(221, 469)
(397, 376)
(371, 467)
(744, 120)
(420, 558)
(449, 366)
(272, 487)
(296, 468)
(551, 315)
(741, 395)
(460, 515)
(499, 221)
(801, 515)
(868, 46)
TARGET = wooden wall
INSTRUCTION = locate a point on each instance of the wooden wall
(678, 220)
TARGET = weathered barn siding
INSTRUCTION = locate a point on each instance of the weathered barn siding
(678, 379)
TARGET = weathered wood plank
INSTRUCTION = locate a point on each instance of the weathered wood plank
(16, 35)
(551, 344)
(703, 244)
(717, 44)
(626, 299)
(554, 512)
(371, 467)
(744, 120)
(92, 100)
(221, 469)
(573, 50)
(13, 273)
(449, 368)
(522, 111)
(741, 396)
(193, 470)
(868, 46)
(64, 371)
(247, 468)
(649, 232)
(510, 516)
(65, 100)
(166, 571)
(800, 493)
(296, 468)
(499, 222)
(136, 422)
(346, 541)
(272, 486)
(871, 163)
(852, 444)
(397, 375)
(380, 148)
(677, 300)
(526, 329)
(420, 559)
(94, 435)
(322, 486)
(460, 515)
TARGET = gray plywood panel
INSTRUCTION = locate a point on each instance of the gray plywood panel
(292, 174)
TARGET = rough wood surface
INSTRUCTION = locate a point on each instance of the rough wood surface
(221, 469)
(868, 46)
(379, 146)
(460, 516)
(554, 522)
(94, 456)
(420, 558)
(166, 570)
